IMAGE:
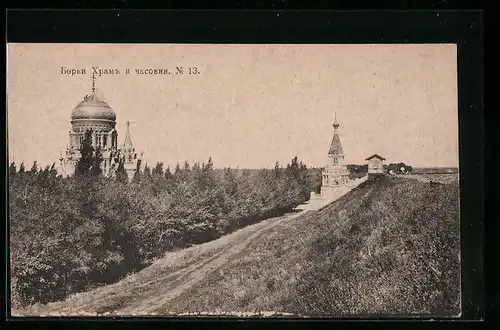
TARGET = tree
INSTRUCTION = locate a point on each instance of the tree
(168, 173)
(169, 180)
(177, 169)
(158, 170)
(146, 174)
(183, 174)
(96, 163)
(53, 171)
(158, 179)
(137, 173)
(12, 169)
(292, 169)
(278, 170)
(85, 162)
(34, 168)
(207, 179)
(43, 176)
(210, 164)
(121, 174)
(230, 182)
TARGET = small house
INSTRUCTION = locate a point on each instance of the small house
(375, 164)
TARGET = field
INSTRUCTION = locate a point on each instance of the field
(435, 177)
(391, 245)
(435, 170)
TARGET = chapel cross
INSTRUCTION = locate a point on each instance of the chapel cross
(93, 82)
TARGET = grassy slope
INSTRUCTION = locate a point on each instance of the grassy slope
(388, 246)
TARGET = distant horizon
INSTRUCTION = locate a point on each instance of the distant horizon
(271, 166)
(172, 167)
(251, 106)
(181, 163)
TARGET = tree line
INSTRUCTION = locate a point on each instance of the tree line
(69, 234)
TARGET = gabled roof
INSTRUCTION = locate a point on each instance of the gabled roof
(335, 146)
(375, 156)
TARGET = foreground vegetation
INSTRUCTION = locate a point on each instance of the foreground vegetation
(396, 251)
(390, 246)
(72, 234)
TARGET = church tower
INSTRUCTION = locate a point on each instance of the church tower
(335, 173)
(130, 157)
(96, 115)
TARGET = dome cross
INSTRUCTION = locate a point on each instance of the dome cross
(93, 82)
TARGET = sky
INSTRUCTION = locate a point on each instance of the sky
(250, 106)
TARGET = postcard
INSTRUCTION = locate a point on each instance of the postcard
(233, 180)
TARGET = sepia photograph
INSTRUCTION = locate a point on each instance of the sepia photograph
(238, 180)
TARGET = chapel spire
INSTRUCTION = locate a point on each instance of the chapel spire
(336, 146)
(128, 140)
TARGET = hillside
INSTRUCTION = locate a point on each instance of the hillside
(389, 246)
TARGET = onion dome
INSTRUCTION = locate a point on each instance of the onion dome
(336, 123)
(93, 108)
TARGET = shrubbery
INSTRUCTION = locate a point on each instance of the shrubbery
(397, 252)
(70, 234)
(357, 171)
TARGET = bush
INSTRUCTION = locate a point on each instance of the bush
(398, 253)
(71, 234)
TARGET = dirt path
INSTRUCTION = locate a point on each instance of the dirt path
(163, 291)
(154, 286)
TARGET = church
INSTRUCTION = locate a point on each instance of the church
(95, 114)
(335, 174)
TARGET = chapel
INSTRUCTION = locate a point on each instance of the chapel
(335, 173)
